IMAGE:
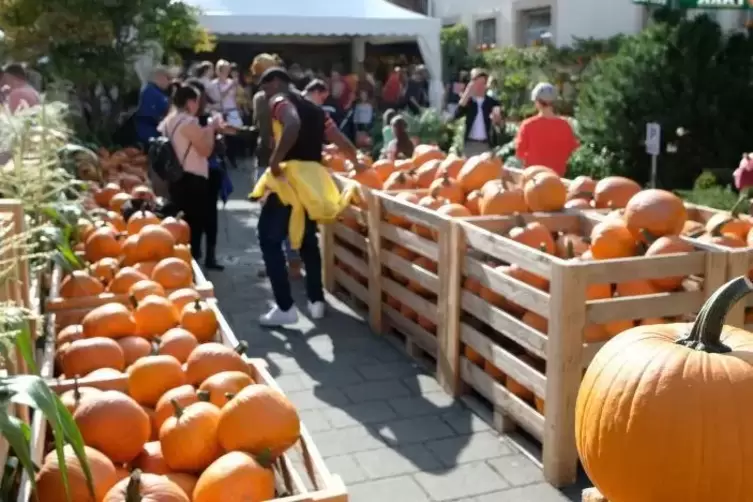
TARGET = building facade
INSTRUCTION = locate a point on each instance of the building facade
(524, 22)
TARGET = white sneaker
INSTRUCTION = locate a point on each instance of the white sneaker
(277, 317)
(316, 310)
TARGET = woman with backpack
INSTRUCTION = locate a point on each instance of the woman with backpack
(193, 145)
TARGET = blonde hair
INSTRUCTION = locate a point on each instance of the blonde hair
(263, 62)
(221, 64)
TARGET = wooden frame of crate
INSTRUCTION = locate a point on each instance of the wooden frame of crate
(567, 311)
(315, 484)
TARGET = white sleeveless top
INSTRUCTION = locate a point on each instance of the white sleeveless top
(193, 163)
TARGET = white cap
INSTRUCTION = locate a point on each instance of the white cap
(545, 92)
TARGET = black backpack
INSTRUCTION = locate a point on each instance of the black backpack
(162, 157)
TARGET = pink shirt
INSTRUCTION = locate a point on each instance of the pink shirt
(25, 96)
(193, 163)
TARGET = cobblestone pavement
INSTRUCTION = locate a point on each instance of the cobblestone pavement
(380, 421)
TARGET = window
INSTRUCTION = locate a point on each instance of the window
(486, 31)
(536, 26)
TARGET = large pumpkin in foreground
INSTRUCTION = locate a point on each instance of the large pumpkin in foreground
(663, 413)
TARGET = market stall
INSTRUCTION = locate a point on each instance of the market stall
(362, 21)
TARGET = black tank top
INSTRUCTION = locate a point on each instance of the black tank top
(308, 146)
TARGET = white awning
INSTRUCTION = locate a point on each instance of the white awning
(355, 18)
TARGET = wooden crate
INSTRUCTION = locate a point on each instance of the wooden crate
(593, 495)
(520, 351)
(302, 473)
(55, 303)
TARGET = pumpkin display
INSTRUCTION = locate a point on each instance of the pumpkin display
(49, 479)
(172, 273)
(139, 220)
(164, 409)
(79, 283)
(114, 424)
(155, 243)
(84, 356)
(177, 342)
(104, 270)
(656, 396)
(259, 419)
(235, 476)
(151, 376)
(72, 398)
(189, 437)
(545, 192)
(501, 202)
(614, 192)
(200, 320)
(154, 315)
(612, 239)
(211, 358)
(103, 242)
(151, 459)
(145, 487)
(124, 279)
(142, 289)
(178, 228)
(447, 188)
(221, 384)
(655, 212)
(478, 170)
(134, 347)
(426, 173)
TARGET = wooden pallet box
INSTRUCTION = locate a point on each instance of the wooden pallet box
(542, 356)
(302, 475)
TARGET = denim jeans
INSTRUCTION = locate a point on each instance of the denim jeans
(290, 253)
(273, 231)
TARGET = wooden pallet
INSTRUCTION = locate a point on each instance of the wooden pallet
(313, 482)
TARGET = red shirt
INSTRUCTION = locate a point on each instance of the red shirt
(546, 141)
(392, 88)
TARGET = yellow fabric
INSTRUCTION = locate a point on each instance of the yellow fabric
(308, 188)
(276, 130)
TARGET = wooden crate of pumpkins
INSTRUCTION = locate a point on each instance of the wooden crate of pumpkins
(533, 297)
(183, 413)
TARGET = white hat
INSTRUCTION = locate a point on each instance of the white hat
(545, 92)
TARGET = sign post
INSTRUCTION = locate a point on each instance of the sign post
(653, 147)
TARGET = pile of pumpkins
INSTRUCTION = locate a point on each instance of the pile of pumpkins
(126, 168)
(193, 425)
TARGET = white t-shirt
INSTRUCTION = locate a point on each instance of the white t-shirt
(363, 114)
(478, 129)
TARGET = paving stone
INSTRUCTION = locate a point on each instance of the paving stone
(413, 430)
(532, 493)
(347, 468)
(399, 489)
(463, 481)
(470, 448)
(388, 371)
(362, 413)
(347, 440)
(375, 391)
(292, 382)
(315, 420)
(386, 462)
(433, 403)
(464, 421)
(517, 470)
(422, 384)
(318, 397)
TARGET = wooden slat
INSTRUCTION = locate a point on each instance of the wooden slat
(410, 270)
(351, 285)
(416, 333)
(409, 240)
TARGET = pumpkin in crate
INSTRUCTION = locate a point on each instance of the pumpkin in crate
(134, 347)
(581, 188)
(259, 419)
(182, 297)
(383, 169)
(451, 166)
(529, 172)
(72, 398)
(657, 396)
(222, 384)
(79, 283)
(84, 356)
(183, 251)
(473, 202)
(142, 289)
(50, 485)
(103, 195)
(447, 188)
(498, 201)
(178, 228)
(199, 319)
(668, 245)
(545, 192)
(173, 273)
(717, 237)
(451, 210)
(124, 279)
(731, 222)
(614, 192)
(139, 220)
(154, 315)
(426, 173)
(113, 423)
(425, 153)
(69, 334)
(119, 200)
(400, 180)
(494, 372)
(115, 219)
(533, 234)
(103, 242)
(151, 459)
(155, 243)
(104, 270)
(186, 482)
(428, 265)
(146, 487)
(610, 239)
(151, 376)
(211, 358)
(431, 203)
(399, 221)
(655, 213)
(189, 437)
(128, 251)
(577, 204)
(177, 342)
(478, 170)
(235, 476)
(165, 408)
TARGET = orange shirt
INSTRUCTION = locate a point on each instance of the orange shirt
(545, 141)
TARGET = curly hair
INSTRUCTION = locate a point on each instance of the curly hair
(264, 61)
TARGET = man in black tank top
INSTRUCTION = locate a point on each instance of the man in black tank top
(305, 127)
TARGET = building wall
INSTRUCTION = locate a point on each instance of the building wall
(517, 22)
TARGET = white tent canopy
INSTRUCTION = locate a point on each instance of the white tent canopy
(369, 19)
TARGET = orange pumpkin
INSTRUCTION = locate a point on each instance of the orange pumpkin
(451, 166)
(400, 181)
(221, 384)
(84, 356)
(189, 437)
(142, 289)
(50, 484)
(730, 223)
(103, 195)
(582, 187)
(668, 245)
(173, 273)
(451, 210)
(501, 202)
(657, 212)
(102, 243)
(155, 243)
(182, 297)
(129, 251)
(235, 476)
(151, 376)
(146, 487)
(178, 228)
(124, 279)
(116, 220)
(533, 234)
(383, 169)
(259, 419)
(183, 251)
(426, 173)
(177, 342)
(447, 188)
(211, 358)
(186, 482)
(477, 171)
(531, 171)
(612, 239)
(367, 177)
(614, 192)
(79, 283)
(473, 202)
(104, 270)
(151, 459)
(69, 334)
(72, 398)
(545, 192)
(139, 220)
(134, 348)
(184, 395)
(200, 320)
(119, 200)
(399, 221)
(431, 203)
(154, 315)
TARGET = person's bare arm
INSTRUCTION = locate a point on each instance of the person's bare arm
(201, 138)
(334, 135)
(285, 113)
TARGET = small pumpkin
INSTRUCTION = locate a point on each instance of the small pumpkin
(173, 273)
(178, 228)
(134, 348)
(221, 384)
(431, 203)
(50, 485)
(155, 243)
(84, 356)
(679, 374)
(447, 188)
(545, 192)
(184, 395)
(115, 219)
(199, 319)
(177, 342)
(146, 267)
(113, 423)
(502, 202)
(399, 221)
(145, 288)
(104, 270)
(124, 279)
(531, 171)
(451, 166)
(473, 202)
(72, 398)
(425, 153)
(211, 358)
(259, 419)
(426, 173)
(612, 239)
(399, 181)
(139, 220)
(235, 476)
(656, 212)
(129, 251)
(150, 377)
(79, 283)
(154, 315)
(186, 482)
(614, 192)
(582, 187)
(476, 171)
(189, 438)
(151, 459)
(69, 334)
(533, 234)
(103, 195)
(668, 245)
(104, 242)
(145, 487)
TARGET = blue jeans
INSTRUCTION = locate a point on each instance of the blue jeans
(273, 231)
(290, 253)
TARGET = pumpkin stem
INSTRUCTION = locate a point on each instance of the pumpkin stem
(133, 490)
(197, 304)
(76, 390)
(569, 250)
(265, 458)
(177, 407)
(705, 335)
(133, 301)
(203, 395)
(242, 347)
(229, 395)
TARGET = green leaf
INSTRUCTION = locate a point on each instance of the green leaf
(18, 433)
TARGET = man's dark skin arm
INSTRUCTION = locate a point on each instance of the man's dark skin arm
(291, 127)
(335, 135)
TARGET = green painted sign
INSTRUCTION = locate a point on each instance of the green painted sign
(702, 4)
